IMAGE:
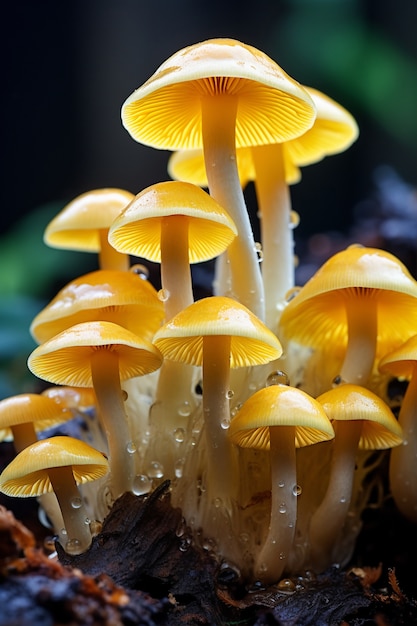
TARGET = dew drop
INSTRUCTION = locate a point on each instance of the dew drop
(282, 508)
(141, 270)
(277, 377)
(185, 543)
(217, 502)
(131, 447)
(225, 423)
(292, 293)
(281, 484)
(297, 490)
(337, 380)
(163, 295)
(76, 503)
(179, 468)
(179, 435)
(125, 395)
(229, 394)
(185, 409)
(73, 546)
(286, 585)
(155, 469)
(282, 556)
(141, 485)
(342, 500)
(294, 219)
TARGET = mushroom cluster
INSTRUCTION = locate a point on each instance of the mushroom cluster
(261, 403)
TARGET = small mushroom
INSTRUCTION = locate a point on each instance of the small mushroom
(280, 418)
(58, 464)
(361, 421)
(83, 225)
(100, 355)
(218, 333)
(353, 303)
(402, 363)
(218, 95)
(106, 295)
(173, 223)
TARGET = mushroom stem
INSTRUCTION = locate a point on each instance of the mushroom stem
(274, 204)
(78, 535)
(175, 265)
(221, 455)
(224, 185)
(110, 401)
(23, 436)
(276, 549)
(328, 519)
(109, 258)
(403, 459)
(362, 336)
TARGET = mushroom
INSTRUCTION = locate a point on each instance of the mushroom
(173, 223)
(107, 295)
(402, 363)
(361, 421)
(25, 414)
(280, 418)
(217, 333)
(218, 95)
(353, 302)
(273, 167)
(100, 355)
(58, 464)
(83, 224)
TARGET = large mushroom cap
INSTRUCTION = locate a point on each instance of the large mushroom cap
(66, 358)
(27, 474)
(252, 343)
(280, 405)
(165, 112)
(107, 295)
(137, 230)
(402, 361)
(380, 429)
(78, 225)
(333, 131)
(316, 315)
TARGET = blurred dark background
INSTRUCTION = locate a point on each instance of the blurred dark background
(68, 67)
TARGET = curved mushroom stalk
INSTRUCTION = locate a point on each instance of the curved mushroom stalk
(224, 184)
(276, 549)
(274, 204)
(110, 401)
(77, 537)
(108, 257)
(328, 520)
(403, 460)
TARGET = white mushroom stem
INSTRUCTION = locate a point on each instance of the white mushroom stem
(110, 402)
(403, 459)
(78, 535)
(328, 520)
(221, 454)
(274, 204)
(361, 312)
(277, 547)
(175, 266)
(218, 126)
(108, 257)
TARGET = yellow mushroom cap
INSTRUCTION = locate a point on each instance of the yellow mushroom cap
(33, 408)
(252, 343)
(65, 359)
(348, 402)
(333, 131)
(165, 112)
(280, 405)
(108, 295)
(78, 225)
(401, 362)
(137, 230)
(27, 474)
(316, 315)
